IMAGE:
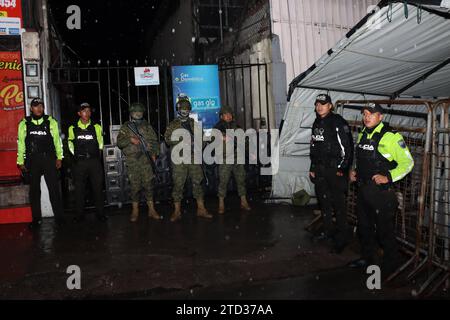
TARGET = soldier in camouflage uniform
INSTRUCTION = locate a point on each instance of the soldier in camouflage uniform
(226, 170)
(138, 165)
(180, 172)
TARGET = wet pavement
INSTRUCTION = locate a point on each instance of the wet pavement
(265, 254)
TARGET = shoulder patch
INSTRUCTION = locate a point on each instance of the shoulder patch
(402, 144)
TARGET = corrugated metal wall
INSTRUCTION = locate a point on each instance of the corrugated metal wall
(308, 28)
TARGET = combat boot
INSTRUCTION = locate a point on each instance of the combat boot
(244, 204)
(152, 212)
(176, 212)
(201, 210)
(221, 205)
(134, 211)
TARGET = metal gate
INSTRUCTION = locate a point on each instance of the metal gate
(245, 87)
(110, 88)
(116, 89)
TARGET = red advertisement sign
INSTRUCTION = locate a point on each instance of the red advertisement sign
(11, 110)
(11, 8)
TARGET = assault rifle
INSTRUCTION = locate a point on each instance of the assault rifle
(132, 126)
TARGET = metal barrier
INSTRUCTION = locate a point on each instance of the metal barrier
(438, 262)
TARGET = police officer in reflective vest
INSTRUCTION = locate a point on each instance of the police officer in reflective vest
(39, 152)
(85, 141)
(382, 158)
(331, 153)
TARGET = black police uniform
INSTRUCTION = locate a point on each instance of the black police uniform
(87, 166)
(331, 151)
(40, 160)
(376, 204)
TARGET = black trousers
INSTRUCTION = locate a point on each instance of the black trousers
(376, 208)
(331, 191)
(83, 170)
(44, 164)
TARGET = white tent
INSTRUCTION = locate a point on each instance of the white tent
(397, 51)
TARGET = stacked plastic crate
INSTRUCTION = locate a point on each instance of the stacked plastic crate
(114, 175)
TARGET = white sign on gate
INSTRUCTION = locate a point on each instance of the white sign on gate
(146, 76)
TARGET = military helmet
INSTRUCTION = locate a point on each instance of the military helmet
(184, 104)
(226, 109)
(137, 107)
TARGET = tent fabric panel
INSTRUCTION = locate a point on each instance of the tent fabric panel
(436, 85)
(384, 60)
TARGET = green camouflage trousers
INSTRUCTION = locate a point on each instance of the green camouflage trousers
(225, 171)
(180, 172)
(140, 175)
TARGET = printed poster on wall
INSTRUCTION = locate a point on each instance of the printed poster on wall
(11, 110)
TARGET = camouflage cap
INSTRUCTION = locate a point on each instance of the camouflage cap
(137, 107)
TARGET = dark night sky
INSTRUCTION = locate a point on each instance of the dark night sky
(109, 29)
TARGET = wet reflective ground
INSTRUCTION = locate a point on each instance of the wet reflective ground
(265, 254)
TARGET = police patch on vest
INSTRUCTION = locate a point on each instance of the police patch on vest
(366, 147)
(85, 137)
(39, 133)
(402, 144)
(318, 134)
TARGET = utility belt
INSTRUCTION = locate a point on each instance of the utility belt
(40, 154)
(86, 156)
(370, 182)
(327, 163)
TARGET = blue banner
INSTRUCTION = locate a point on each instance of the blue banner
(201, 85)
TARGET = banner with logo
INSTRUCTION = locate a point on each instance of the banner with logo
(201, 85)
(146, 76)
(11, 110)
